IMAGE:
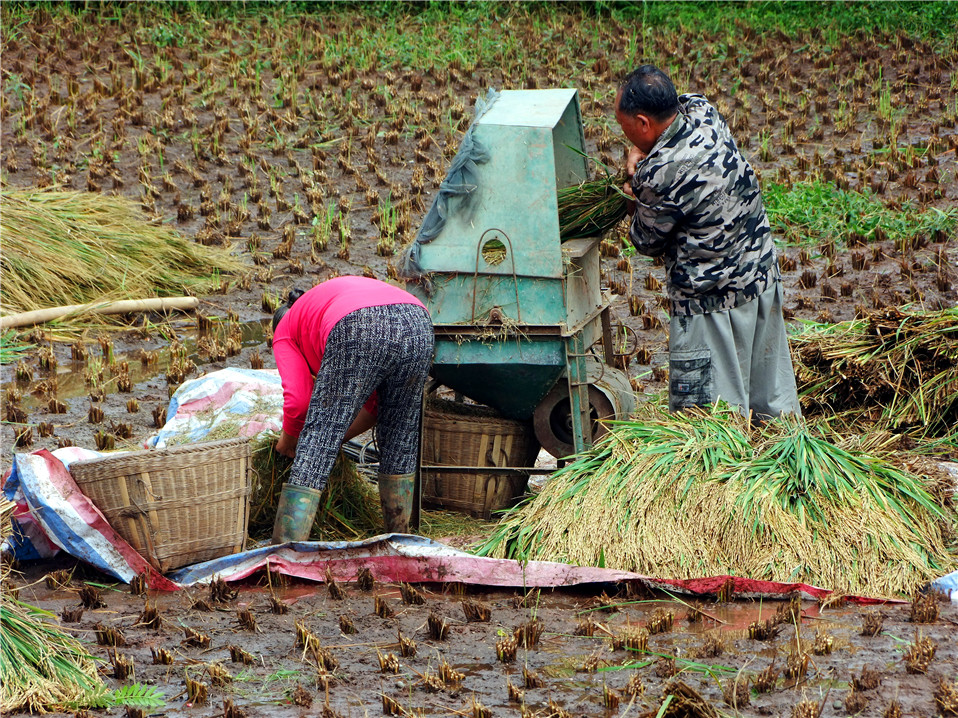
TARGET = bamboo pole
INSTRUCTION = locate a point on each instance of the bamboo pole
(123, 306)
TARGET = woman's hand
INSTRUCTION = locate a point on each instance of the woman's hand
(286, 445)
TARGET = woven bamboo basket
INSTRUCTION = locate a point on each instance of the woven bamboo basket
(177, 506)
(456, 434)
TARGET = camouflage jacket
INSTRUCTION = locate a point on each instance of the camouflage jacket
(699, 205)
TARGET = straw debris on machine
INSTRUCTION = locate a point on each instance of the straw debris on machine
(705, 493)
(893, 369)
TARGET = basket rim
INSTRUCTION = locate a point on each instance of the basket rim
(451, 417)
(135, 457)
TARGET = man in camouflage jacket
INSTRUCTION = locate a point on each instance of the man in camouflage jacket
(698, 205)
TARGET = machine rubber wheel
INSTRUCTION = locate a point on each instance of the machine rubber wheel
(552, 419)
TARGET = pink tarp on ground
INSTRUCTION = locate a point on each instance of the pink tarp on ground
(413, 559)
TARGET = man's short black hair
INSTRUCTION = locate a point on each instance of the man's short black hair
(650, 91)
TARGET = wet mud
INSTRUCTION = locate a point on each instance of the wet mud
(575, 661)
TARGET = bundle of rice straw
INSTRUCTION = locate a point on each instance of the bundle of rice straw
(893, 369)
(62, 248)
(41, 667)
(349, 508)
(704, 493)
(593, 208)
(7, 509)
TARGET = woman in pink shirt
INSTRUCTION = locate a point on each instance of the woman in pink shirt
(352, 352)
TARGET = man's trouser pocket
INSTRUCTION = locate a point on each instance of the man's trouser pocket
(690, 379)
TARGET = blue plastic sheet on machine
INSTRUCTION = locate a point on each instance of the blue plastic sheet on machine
(460, 182)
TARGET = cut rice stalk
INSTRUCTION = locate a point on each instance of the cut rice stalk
(63, 248)
(41, 667)
(593, 208)
(13, 347)
(348, 509)
(703, 493)
(893, 369)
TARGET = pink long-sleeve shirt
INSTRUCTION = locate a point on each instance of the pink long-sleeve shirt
(300, 337)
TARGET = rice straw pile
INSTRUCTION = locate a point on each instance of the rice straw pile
(593, 208)
(41, 667)
(7, 508)
(62, 248)
(703, 493)
(894, 369)
(348, 509)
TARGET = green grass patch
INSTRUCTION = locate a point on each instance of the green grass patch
(818, 212)
(432, 35)
(12, 347)
(833, 19)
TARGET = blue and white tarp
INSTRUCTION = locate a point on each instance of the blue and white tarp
(250, 401)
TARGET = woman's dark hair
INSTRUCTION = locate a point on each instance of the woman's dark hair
(650, 91)
(294, 294)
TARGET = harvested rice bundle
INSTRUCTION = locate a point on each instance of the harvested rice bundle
(893, 369)
(41, 667)
(7, 509)
(63, 248)
(704, 493)
(592, 208)
(348, 509)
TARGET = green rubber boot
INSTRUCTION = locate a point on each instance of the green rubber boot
(295, 513)
(395, 494)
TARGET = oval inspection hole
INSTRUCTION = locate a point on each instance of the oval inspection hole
(494, 251)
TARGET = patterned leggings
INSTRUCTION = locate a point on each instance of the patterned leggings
(385, 349)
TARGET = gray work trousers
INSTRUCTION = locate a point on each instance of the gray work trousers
(738, 355)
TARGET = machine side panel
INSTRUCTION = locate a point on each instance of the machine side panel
(468, 299)
(511, 375)
(516, 198)
(583, 294)
(571, 167)
(529, 108)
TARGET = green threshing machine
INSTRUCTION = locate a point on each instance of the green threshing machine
(521, 322)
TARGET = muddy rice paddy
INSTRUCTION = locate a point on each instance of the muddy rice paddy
(578, 650)
(251, 130)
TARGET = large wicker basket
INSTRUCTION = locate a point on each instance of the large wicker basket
(175, 506)
(456, 434)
